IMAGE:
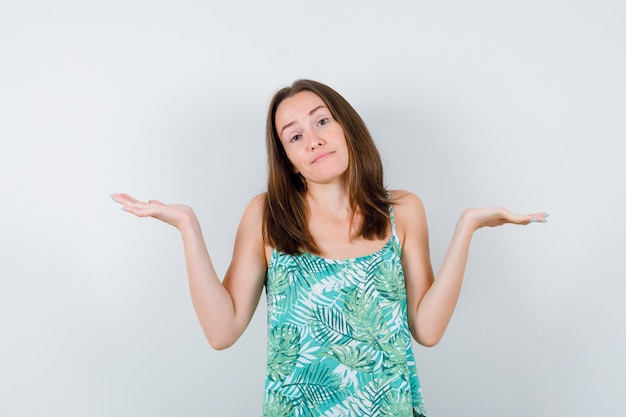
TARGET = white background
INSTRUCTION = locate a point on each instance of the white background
(472, 103)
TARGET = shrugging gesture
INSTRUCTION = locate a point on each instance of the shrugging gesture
(345, 263)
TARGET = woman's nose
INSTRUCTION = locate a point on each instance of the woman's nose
(315, 141)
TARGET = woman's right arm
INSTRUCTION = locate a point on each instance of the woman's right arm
(224, 309)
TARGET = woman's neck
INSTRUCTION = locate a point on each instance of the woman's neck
(332, 199)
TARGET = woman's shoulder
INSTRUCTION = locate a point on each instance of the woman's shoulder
(408, 210)
(258, 201)
(254, 209)
(403, 200)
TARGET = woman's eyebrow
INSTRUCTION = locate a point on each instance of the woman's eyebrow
(310, 113)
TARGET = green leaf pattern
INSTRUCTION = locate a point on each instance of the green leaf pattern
(338, 339)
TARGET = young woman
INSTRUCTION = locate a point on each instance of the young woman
(345, 263)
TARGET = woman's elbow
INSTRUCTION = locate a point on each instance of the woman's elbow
(220, 345)
(427, 340)
(220, 342)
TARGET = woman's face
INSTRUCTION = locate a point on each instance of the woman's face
(313, 140)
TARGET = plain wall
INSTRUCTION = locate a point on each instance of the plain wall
(520, 104)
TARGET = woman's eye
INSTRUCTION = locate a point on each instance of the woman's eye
(322, 122)
(295, 138)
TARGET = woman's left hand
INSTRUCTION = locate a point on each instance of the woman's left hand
(497, 216)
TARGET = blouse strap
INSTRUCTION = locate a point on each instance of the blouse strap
(391, 218)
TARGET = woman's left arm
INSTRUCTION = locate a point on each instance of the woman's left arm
(431, 301)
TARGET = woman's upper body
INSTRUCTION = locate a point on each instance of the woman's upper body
(245, 277)
(325, 196)
(338, 339)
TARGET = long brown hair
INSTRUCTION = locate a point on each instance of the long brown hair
(285, 217)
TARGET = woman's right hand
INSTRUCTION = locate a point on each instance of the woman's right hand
(173, 214)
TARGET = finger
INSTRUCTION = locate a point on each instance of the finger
(134, 210)
(141, 209)
(510, 217)
(130, 199)
(123, 199)
(539, 217)
(116, 197)
(132, 205)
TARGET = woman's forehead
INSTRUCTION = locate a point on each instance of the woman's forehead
(300, 105)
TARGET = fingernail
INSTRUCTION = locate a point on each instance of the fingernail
(544, 221)
(546, 215)
(123, 208)
(533, 220)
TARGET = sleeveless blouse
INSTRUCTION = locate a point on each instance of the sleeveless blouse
(338, 337)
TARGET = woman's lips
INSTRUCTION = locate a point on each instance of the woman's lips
(321, 157)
